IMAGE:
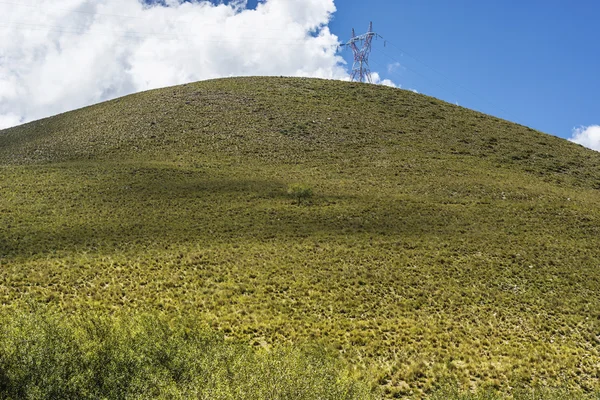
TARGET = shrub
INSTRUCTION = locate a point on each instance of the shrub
(300, 192)
(47, 356)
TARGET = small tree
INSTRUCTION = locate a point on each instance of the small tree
(300, 192)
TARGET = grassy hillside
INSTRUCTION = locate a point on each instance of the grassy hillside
(424, 241)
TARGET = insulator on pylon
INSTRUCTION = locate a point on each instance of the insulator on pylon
(360, 69)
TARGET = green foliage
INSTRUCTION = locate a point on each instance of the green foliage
(300, 192)
(45, 356)
(445, 244)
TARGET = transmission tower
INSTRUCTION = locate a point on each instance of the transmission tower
(361, 47)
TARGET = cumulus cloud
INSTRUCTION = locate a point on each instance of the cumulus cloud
(8, 120)
(587, 136)
(376, 79)
(57, 55)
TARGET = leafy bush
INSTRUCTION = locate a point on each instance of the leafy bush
(300, 192)
(46, 356)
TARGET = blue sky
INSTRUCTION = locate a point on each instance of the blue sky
(534, 62)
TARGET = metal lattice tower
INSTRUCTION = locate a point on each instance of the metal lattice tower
(361, 47)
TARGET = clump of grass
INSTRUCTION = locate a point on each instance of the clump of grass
(300, 192)
(47, 356)
(452, 392)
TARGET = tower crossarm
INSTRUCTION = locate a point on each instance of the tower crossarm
(361, 47)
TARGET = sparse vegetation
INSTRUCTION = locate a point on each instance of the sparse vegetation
(440, 244)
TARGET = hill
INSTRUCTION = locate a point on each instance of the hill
(422, 240)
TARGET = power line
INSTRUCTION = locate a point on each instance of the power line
(418, 73)
(360, 68)
(449, 80)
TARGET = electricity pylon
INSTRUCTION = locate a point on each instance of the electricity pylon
(361, 47)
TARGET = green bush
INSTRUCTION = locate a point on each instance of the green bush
(300, 192)
(46, 356)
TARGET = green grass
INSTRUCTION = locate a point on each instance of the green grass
(436, 243)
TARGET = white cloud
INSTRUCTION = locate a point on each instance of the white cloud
(376, 79)
(8, 120)
(57, 55)
(393, 67)
(587, 136)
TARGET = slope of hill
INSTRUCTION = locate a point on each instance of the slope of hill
(424, 241)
